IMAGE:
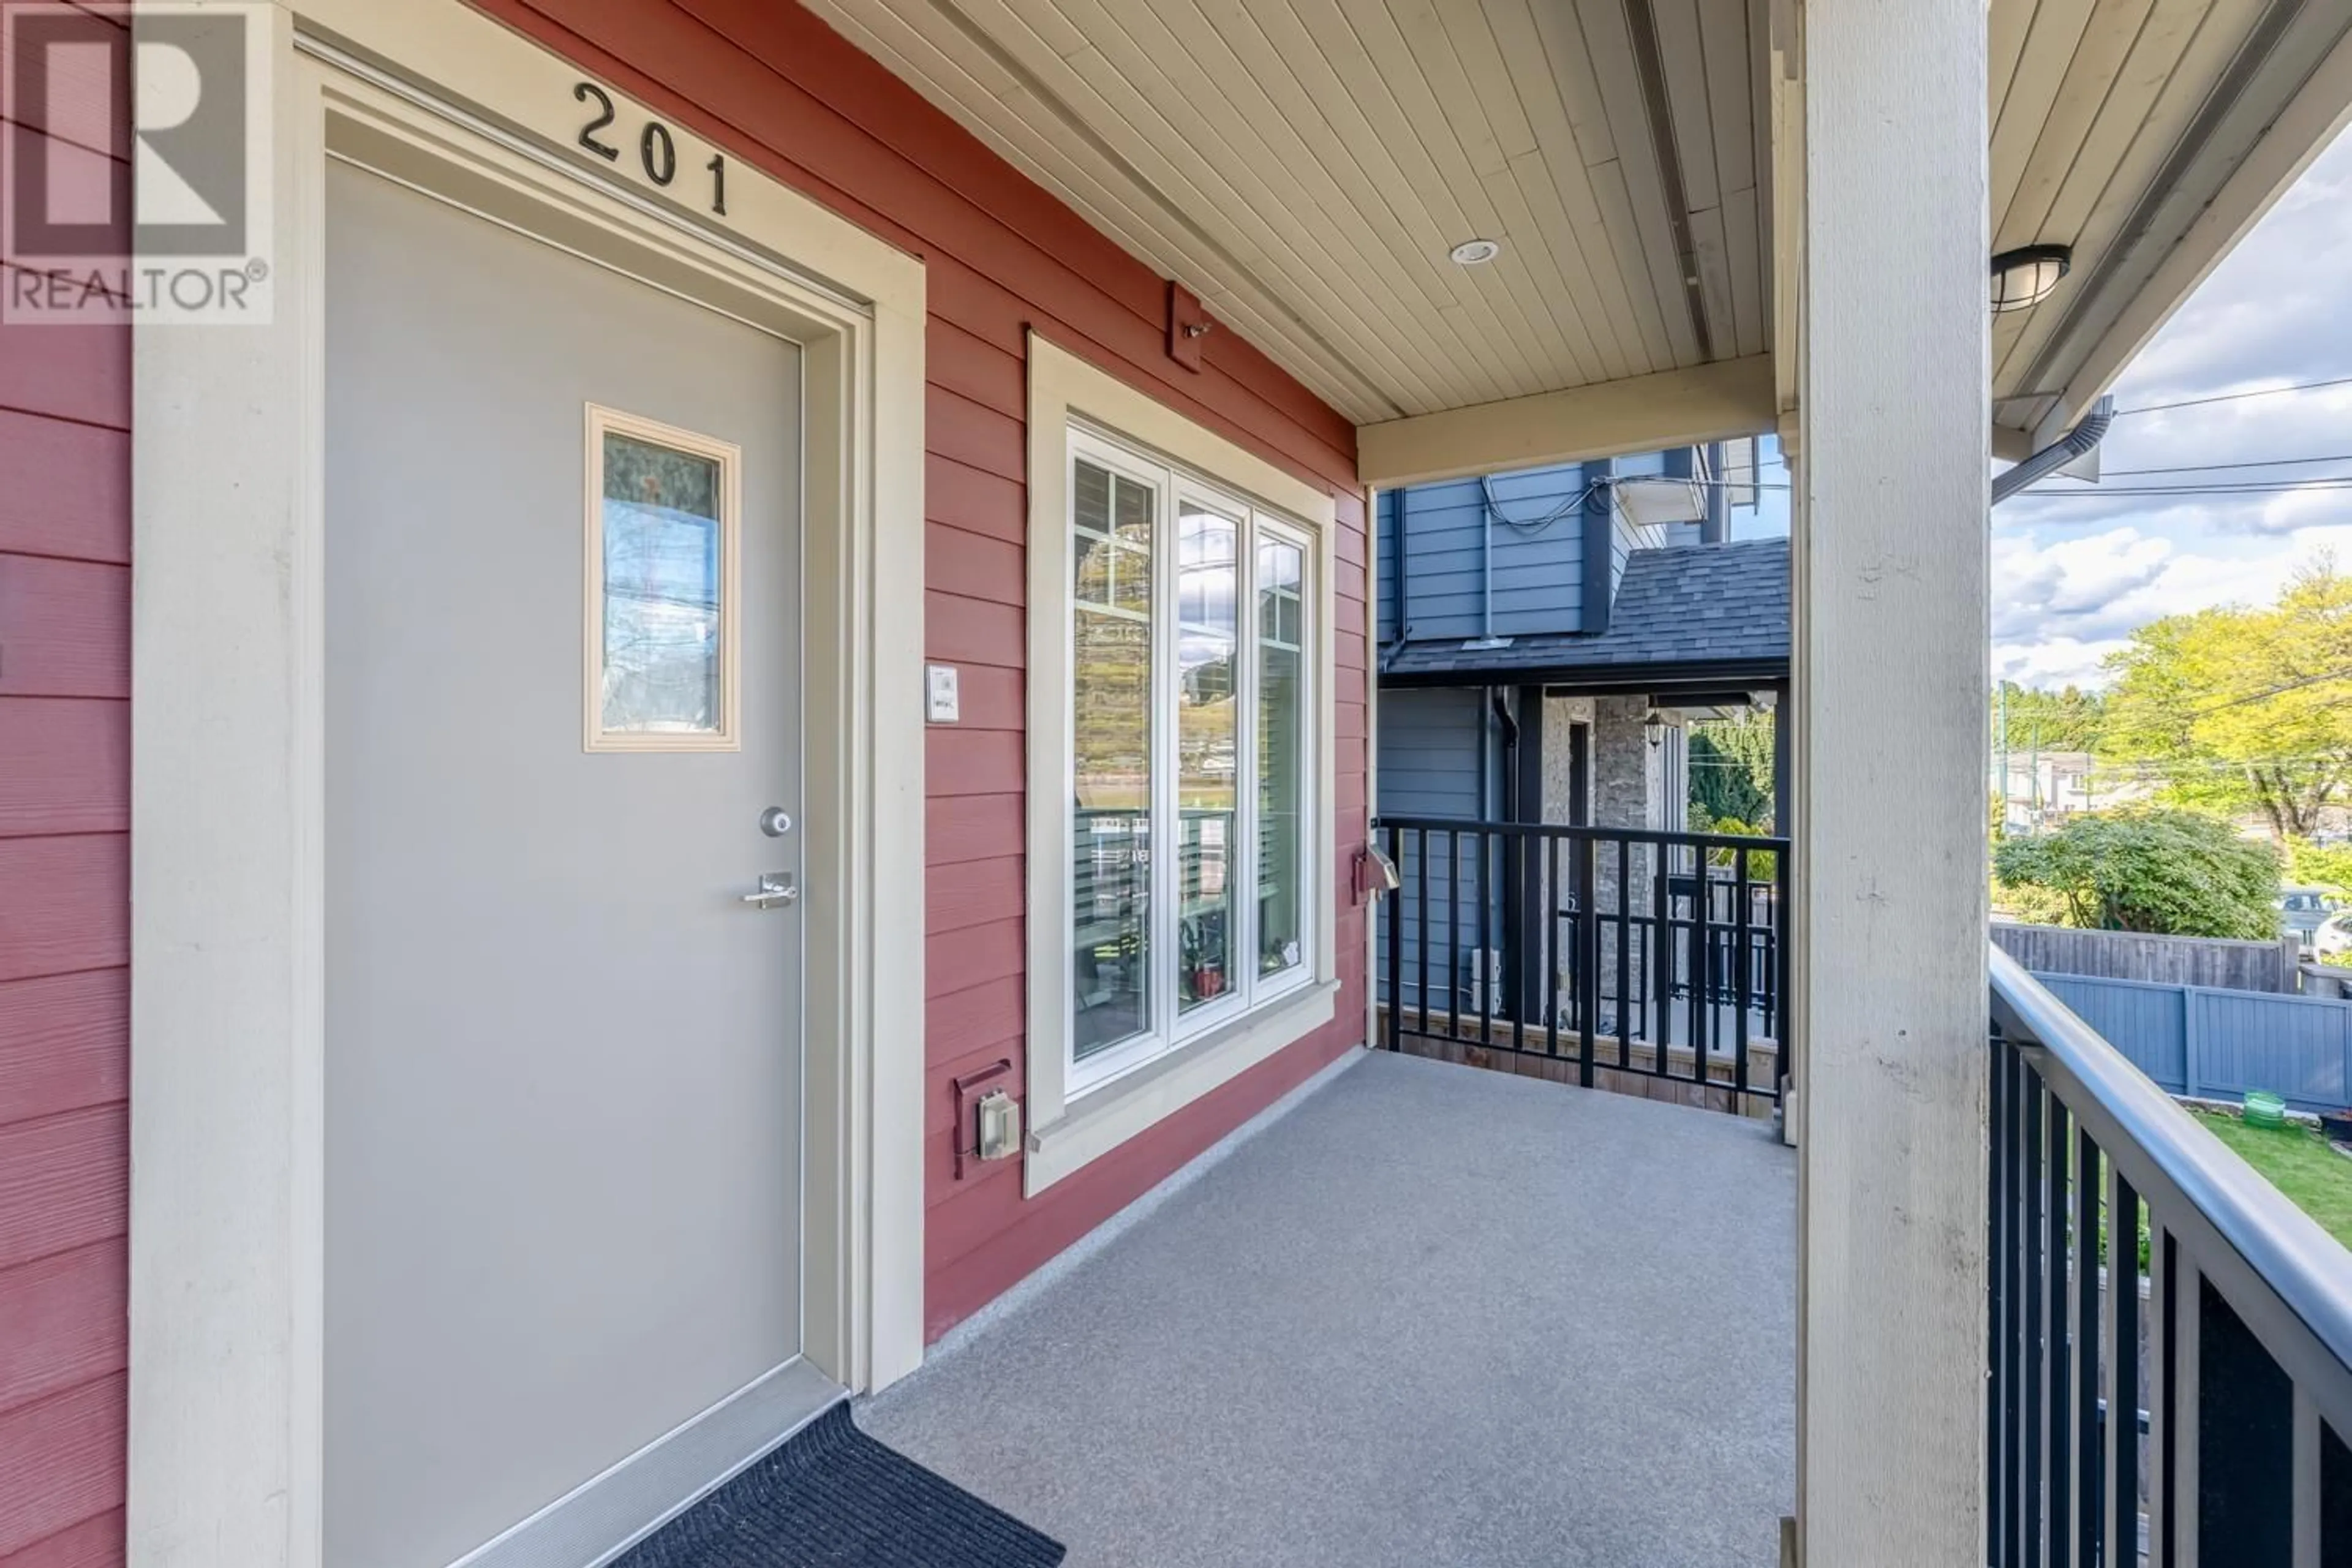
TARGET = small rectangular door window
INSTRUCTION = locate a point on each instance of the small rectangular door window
(661, 605)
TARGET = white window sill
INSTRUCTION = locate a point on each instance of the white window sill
(1108, 1117)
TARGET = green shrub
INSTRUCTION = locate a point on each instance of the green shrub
(2166, 873)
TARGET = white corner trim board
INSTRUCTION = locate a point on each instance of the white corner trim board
(1064, 1135)
(227, 1258)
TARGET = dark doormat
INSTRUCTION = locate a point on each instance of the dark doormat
(835, 1497)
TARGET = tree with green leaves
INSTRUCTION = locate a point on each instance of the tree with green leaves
(1731, 769)
(2320, 865)
(2065, 720)
(2166, 873)
(2237, 709)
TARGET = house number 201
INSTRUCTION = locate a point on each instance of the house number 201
(657, 150)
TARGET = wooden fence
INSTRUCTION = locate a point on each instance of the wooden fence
(2273, 966)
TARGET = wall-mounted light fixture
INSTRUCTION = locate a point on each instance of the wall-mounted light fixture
(2023, 278)
(1654, 727)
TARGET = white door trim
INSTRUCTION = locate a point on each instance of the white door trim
(227, 785)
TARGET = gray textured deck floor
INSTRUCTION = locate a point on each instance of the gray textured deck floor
(1436, 1315)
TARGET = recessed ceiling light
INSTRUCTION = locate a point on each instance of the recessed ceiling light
(1473, 252)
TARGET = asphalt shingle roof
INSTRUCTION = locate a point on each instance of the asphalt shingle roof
(1704, 605)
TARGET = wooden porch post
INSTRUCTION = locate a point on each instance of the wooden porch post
(1890, 581)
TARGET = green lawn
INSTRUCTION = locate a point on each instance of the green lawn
(2299, 1163)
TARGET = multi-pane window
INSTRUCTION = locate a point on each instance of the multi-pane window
(1190, 837)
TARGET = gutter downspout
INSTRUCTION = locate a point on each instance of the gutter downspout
(2077, 442)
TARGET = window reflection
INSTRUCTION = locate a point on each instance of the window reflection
(1111, 850)
(661, 543)
(1281, 754)
(1207, 750)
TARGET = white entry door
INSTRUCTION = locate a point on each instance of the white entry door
(563, 1087)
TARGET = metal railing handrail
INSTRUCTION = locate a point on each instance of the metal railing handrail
(2199, 1181)
(1754, 843)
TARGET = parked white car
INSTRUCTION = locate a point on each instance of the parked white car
(2333, 937)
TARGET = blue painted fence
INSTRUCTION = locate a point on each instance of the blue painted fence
(2210, 1044)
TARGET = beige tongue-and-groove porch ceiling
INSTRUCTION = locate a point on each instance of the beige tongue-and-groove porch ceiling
(1305, 166)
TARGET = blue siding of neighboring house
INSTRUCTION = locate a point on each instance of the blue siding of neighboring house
(1429, 748)
(1454, 541)
(1512, 569)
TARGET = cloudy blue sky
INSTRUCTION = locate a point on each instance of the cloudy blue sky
(2077, 567)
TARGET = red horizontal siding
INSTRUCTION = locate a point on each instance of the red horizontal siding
(80, 101)
(63, 1457)
(61, 1044)
(69, 768)
(65, 1181)
(81, 373)
(963, 1022)
(972, 893)
(962, 496)
(64, 904)
(962, 630)
(65, 628)
(65, 1315)
(974, 762)
(93, 1543)
(968, 955)
(65, 784)
(966, 364)
(979, 567)
(974, 435)
(971, 826)
(65, 488)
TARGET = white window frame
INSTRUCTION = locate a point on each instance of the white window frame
(1079, 1112)
(727, 736)
(1174, 491)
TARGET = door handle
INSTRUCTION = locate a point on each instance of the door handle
(776, 888)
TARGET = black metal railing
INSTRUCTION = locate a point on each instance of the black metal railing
(2170, 1339)
(1606, 950)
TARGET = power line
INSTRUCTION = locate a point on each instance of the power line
(2318, 482)
(2233, 396)
(2274, 691)
(2216, 468)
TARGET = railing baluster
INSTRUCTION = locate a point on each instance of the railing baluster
(1998, 1488)
(1740, 960)
(2086, 1185)
(2059, 1358)
(2161, 1459)
(1662, 959)
(1548, 991)
(2187, 1400)
(2029, 1243)
(2304, 1484)
(1624, 951)
(2121, 1518)
(1421, 923)
(1702, 985)
(1453, 932)
(1487, 968)
(1587, 957)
